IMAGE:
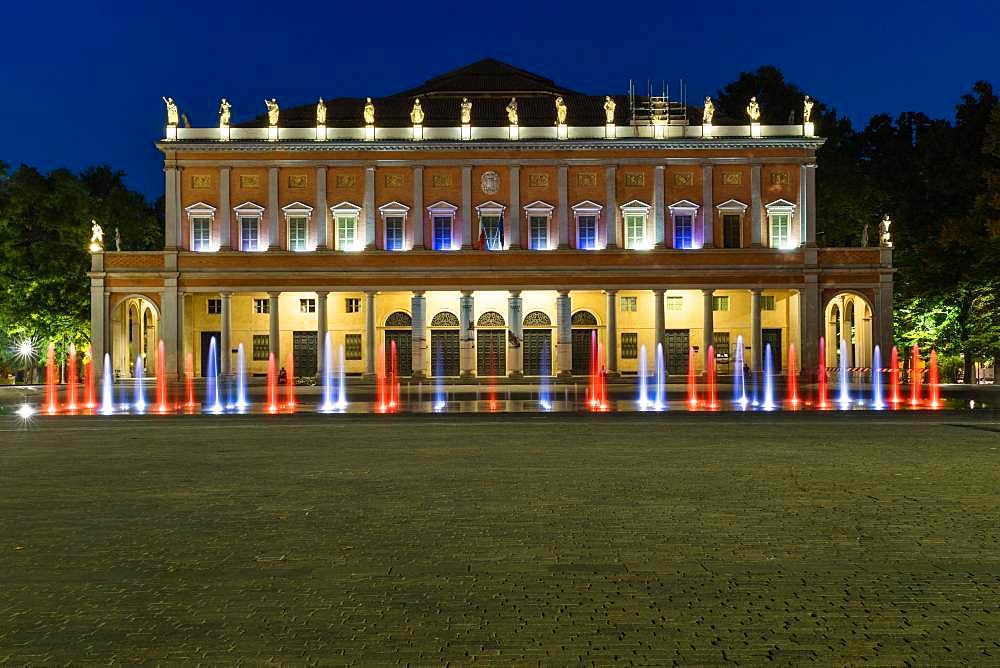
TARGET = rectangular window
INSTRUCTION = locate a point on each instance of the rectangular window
(249, 234)
(201, 234)
(261, 347)
(635, 231)
(347, 233)
(262, 306)
(629, 304)
(442, 232)
(767, 302)
(214, 306)
(297, 233)
(720, 303)
(683, 231)
(732, 232)
(720, 341)
(307, 306)
(675, 303)
(352, 305)
(630, 345)
(780, 230)
(352, 346)
(394, 233)
(492, 227)
(586, 232)
(538, 232)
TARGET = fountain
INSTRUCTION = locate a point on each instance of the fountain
(821, 401)
(341, 383)
(272, 383)
(894, 376)
(739, 380)
(71, 379)
(491, 356)
(139, 396)
(692, 383)
(877, 402)
(844, 386)
(51, 398)
(793, 378)
(768, 403)
(162, 404)
(327, 404)
(915, 376)
(544, 390)
(933, 386)
(642, 400)
(88, 378)
(440, 399)
(241, 379)
(660, 396)
(711, 403)
(597, 392)
(213, 398)
(388, 387)
(107, 398)
(189, 381)
(290, 382)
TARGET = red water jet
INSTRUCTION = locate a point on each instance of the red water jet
(934, 386)
(290, 382)
(50, 381)
(793, 380)
(71, 379)
(915, 376)
(161, 378)
(692, 381)
(88, 378)
(272, 383)
(712, 403)
(821, 390)
(894, 376)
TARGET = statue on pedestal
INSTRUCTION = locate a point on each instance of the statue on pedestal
(118, 240)
(417, 113)
(807, 109)
(886, 238)
(753, 110)
(272, 112)
(172, 115)
(609, 110)
(512, 111)
(864, 236)
(560, 111)
(321, 112)
(709, 112)
(466, 111)
(224, 113)
(369, 112)
(96, 237)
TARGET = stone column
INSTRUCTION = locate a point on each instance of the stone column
(707, 208)
(273, 205)
(369, 205)
(181, 347)
(322, 298)
(225, 226)
(611, 345)
(659, 223)
(469, 237)
(418, 309)
(225, 344)
(809, 322)
(370, 334)
(803, 207)
(659, 322)
(417, 219)
(515, 338)
(274, 332)
(467, 334)
(755, 213)
(810, 201)
(756, 336)
(709, 324)
(172, 213)
(611, 207)
(322, 211)
(514, 212)
(168, 323)
(564, 334)
(99, 326)
(562, 210)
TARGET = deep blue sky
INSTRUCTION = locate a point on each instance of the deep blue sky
(80, 82)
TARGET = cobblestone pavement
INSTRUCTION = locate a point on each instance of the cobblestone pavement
(513, 539)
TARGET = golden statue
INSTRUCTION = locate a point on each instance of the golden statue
(609, 110)
(886, 236)
(466, 111)
(369, 112)
(807, 109)
(171, 112)
(96, 237)
(560, 111)
(709, 112)
(753, 110)
(272, 112)
(321, 112)
(512, 111)
(417, 113)
(224, 113)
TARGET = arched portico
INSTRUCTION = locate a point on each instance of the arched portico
(135, 332)
(848, 316)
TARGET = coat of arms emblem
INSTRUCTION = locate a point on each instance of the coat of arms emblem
(490, 183)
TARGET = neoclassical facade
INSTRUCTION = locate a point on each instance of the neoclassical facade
(478, 242)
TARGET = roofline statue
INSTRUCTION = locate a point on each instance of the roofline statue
(96, 237)
(609, 110)
(560, 111)
(224, 113)
(753, 110)
(709, 111)
(807, 108)
(466, 111)
(512, 111)
(369, 112)
(321, 112)
(417, 113)
(272, 112)
(172, 115)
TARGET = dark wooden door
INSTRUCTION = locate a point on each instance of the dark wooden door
(537, 345)
(731, 232)
(772, 336)
(445, 359)
(678, 344)
(206, 342)
(582, 351)
(491, 352)
(303, 354)
(403, 338)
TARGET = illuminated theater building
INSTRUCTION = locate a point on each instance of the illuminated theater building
(488, 241)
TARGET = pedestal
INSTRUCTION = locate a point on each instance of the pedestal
(809, 129)
(320, 133)
(609, 131)
(466, 131)
(272, 133)
(755, 130)
(706, 130)
(223, 133)
(369, 133)
(562, 131)
(514, 132)
(418, 132)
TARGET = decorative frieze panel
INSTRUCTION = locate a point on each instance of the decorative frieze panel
(634, 179)
(586, 179)
(346, 180)
(442, 181)
(393, 180)
(732, 178)
(538, 180)
(684, 179)
(201, 181)
(298, 181)
(490, 183)
(249, 180)
(779, 178)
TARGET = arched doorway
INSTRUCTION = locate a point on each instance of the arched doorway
(135, 332)
(584, 324)
(399, 331)
(848, 317)
(445, 356)
(537, 344)
(491, 345)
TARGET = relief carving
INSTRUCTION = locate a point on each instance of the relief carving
(393, 180)
(298, 181)
(586, 179)
(442, 181)
(779, 178)
(201, 181)
(732, 178)
(538, 180)
(684, 179)
(346, 180)
(249, 180)
(635, 179)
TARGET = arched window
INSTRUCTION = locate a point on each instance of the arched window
(584, 319)
(399, 319)
(491, 319)
(444, 319)
(537, 319)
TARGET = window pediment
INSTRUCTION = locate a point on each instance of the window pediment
(345, 208)
(490, 208)
(780, 206)
(635, 206)
(249, 209)
(200, 209)
(586, 206)
(442, 208)
(297, 209)
(732, 206)
(538, 208)
(684, 205)
(394, 209)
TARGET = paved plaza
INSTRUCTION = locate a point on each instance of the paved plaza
(554, 539)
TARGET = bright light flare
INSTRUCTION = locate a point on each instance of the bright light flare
(25, 412)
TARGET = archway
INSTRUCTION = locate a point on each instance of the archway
(584, 326)
(537, 344)
(491, 345)
(445, 355)
(134, 333)
(848, 317)
(399, 331)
